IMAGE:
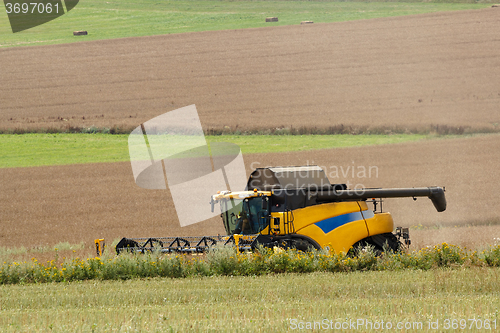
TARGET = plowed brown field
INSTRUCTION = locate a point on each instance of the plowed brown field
(411, 71)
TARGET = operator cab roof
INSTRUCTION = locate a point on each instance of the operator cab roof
(295, 177)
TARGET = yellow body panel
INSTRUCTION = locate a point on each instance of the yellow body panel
(340, 238)
(303, 217)
(380, 223)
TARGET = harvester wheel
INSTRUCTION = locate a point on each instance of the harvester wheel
(388, 241)
(301, 245)
(380, 243)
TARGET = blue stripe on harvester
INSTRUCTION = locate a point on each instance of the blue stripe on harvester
(337, 221)
(368, 214)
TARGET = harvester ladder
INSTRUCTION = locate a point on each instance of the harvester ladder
(288, 222)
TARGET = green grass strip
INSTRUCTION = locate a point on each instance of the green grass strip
(251, 144)
(29, 150)
(130, 18)
(59, 149)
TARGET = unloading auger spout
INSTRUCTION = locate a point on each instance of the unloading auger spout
(435, 193)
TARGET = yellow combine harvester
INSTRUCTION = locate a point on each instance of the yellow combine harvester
(297, 207)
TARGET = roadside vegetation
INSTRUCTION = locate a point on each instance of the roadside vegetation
(226, 261)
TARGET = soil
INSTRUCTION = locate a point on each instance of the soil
(74, 203)
(409, 72)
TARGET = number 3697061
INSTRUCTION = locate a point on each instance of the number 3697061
(32, 8)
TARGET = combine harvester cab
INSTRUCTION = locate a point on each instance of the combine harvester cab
(298, 207)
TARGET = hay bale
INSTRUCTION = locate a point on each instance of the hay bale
(80, 33)
(271, 19)
(306, 22)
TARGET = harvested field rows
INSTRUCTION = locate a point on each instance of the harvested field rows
(82, 202)
(265, 304)
(409, 72)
